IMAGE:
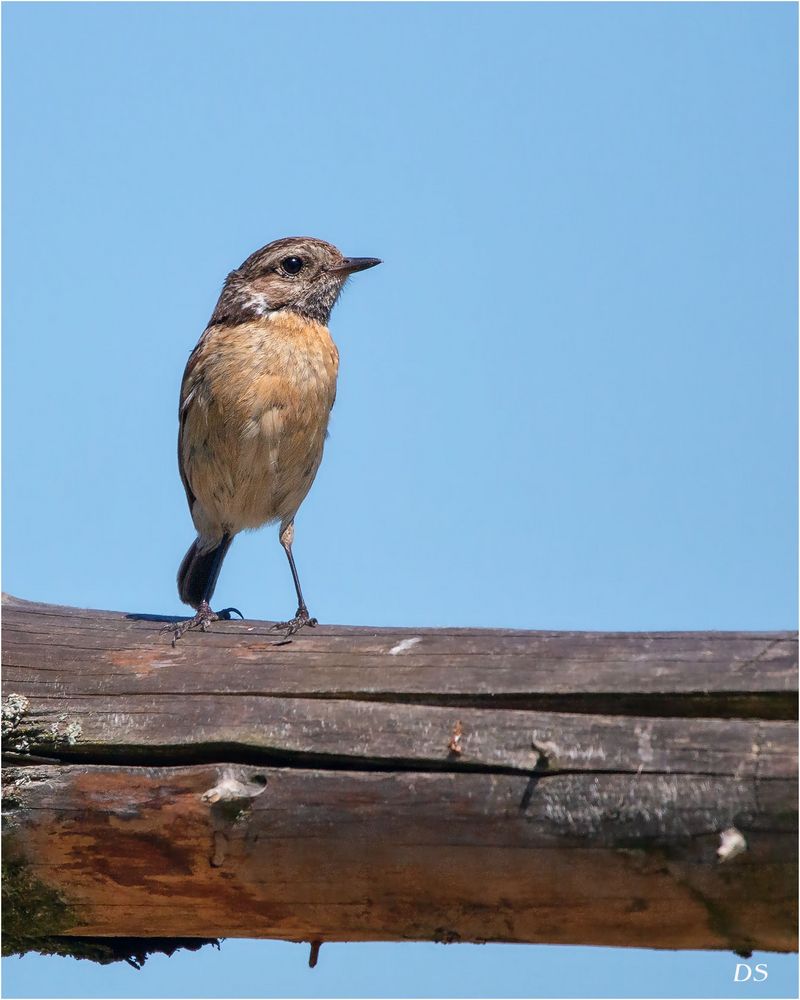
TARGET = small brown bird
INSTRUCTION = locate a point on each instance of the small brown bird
(255, 401)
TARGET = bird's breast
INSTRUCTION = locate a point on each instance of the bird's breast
(256, 403)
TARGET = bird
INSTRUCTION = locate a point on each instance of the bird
(255, 401)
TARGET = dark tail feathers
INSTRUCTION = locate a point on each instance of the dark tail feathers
(198, 572)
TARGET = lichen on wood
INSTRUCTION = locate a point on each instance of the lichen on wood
(27, 731)
(14, 708)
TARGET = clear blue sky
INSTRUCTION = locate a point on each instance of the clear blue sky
(566, 399)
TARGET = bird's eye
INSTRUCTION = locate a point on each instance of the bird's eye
(292, 265)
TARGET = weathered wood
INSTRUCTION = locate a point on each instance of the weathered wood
(327, 855)
(694, 673)
(385, 784)
(129, 727)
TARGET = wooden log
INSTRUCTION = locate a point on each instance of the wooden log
(391, 784)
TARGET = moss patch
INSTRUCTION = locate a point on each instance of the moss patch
(104, 951)
(35, 917)
(31, 910)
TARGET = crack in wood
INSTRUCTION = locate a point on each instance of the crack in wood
(691, 705)
(247, 756)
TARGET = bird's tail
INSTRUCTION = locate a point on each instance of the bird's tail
(199, 570)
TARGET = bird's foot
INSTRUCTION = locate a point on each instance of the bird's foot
(301, 620)
(202, 620)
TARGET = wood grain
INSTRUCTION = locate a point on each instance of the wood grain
(230, 787)
(326, 855)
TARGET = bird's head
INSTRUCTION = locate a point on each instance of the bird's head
(299, 273)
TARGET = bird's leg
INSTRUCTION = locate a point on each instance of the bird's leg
(302, 618)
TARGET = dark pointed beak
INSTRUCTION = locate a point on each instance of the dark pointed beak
(352, 264)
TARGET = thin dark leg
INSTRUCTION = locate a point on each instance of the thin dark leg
(301, 604)
(302, 618)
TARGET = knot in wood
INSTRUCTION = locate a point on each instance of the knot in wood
(731, 843)
(232, 789)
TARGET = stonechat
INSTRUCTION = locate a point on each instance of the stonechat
(255, 400)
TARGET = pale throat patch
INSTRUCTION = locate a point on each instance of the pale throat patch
(259, 303)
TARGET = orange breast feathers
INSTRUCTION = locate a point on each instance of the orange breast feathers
(255, 403)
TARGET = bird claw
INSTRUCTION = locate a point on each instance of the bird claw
(301, 620)
(225, 614)
(202, 620)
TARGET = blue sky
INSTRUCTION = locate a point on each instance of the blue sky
(566, 399)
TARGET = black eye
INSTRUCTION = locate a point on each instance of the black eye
(292, 265)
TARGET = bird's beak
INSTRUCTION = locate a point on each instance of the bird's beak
(351, 264)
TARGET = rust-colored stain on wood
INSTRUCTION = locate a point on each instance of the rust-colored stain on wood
(454, 743)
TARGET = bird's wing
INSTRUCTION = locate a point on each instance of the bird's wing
(188, 390)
